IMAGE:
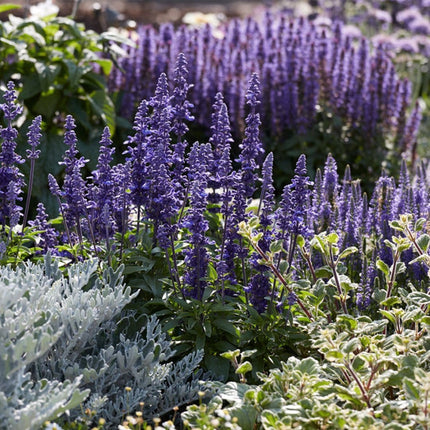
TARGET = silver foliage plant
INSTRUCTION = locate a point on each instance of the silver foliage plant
(60, 347)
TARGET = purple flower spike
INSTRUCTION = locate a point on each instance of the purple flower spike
(103, 189)
(34, 136)
(11, 180)
(48, 235)
(295, 207)
(180, 105)
(74, 190)
(267, 198)
(251, 147)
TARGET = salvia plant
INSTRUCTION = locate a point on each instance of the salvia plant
(322, 90)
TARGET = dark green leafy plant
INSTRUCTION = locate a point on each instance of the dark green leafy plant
(62, 69)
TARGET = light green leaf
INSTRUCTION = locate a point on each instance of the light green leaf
(244, 368)
(8, 6)
(383, 267)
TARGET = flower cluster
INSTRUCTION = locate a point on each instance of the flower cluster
(306, 69)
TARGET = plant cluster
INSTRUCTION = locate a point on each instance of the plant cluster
(306, 308)
(323, 90)
(66, 347)
(60, 70)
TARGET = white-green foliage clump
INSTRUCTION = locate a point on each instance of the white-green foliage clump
(59, 345)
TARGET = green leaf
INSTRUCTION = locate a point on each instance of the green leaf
(226, 326)
(419, 224)
(104, 107)
(47, 74)
(231, 355)
(8, 6)
(217, 365)
(425, 320)
(335, 356)
(332, 238)
(423, 242)
(106, 65)
(388, 315)
(300, 241)
(244, 368)
(246, 416)
(347, 251)
(323, 272)
(30, 87)
(419, 298)
(348, 320)
(391, 301)
(249, 353)
(212, 273)
(74, 72)
(351, 345)
(383, 268)
(308, 366)
(396, 225)
(276, 246)
(47, 105)
(410, 389)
